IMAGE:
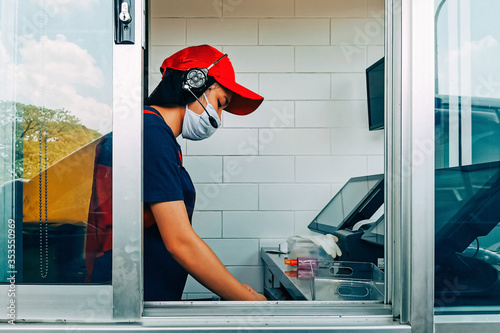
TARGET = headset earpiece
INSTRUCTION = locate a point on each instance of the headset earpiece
(195, 79)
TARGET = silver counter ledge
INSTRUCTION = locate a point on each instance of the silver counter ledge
(340, 281)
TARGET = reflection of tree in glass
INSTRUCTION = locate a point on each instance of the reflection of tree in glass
(65, 134)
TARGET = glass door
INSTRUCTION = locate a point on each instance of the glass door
(467, 176)
(57, 104)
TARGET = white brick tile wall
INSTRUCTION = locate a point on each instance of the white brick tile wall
(225, 142)
(208, 224)
(294, 86)
(233, 252)
(273, 114)
(329, 169)
(168, 31)
(365, 31)
(226, 197)
(336, 188)
(293, 196)
(375, 164)
(294, 31)
(273, 242)
(375, 8)
(328, 59)
(204, 169)
(193, 286)
(159, 53)
(331, 114)
(258, 224)
(223, 32)
(185, 8)
(251, 275)
(330, 8)
(357, 141)
(263, 177)
(348, 86)
(258, 8)
(250, 81)
(373, 54)
(259, 169)
(302, 220)
(153, 80)
(277, 141)
(183, 143)
(261, 58)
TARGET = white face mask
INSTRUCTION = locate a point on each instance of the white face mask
(197, 126)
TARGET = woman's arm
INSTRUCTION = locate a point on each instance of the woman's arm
(192, 253)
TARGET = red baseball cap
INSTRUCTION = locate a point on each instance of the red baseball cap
(243, 102)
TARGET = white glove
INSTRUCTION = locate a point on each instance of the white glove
(328, 242)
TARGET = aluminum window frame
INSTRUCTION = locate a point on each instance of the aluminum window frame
(410, 161)
(404, 284)
(409, 297)
(127, 268)
(485, 323)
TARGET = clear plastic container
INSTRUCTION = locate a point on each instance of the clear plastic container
(300, 247)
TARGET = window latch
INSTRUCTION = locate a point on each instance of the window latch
(124, 22)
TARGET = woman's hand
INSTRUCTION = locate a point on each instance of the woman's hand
(258, 297)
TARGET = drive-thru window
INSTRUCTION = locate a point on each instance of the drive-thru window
(379, 126)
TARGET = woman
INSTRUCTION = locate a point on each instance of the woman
(198, 83)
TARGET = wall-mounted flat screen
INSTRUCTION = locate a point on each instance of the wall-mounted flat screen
(375, 95)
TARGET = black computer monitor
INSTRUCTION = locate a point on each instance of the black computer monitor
(466, 206)
(375, 95)
(357, 200)
(467, 200)
(376, 234)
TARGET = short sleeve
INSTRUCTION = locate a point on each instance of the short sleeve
(161, 166)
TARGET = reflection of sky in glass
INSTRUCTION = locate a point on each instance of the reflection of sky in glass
(64, 57)
(484, 46)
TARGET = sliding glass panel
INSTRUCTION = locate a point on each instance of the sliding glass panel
(467, 156)
(55, 114)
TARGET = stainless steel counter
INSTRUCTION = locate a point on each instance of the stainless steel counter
(335, 281)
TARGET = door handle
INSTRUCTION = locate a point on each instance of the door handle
(124, 22)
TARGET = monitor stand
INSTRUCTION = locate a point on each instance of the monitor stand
(466, 281)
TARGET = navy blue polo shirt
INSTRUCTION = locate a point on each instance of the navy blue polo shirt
(164, 179)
